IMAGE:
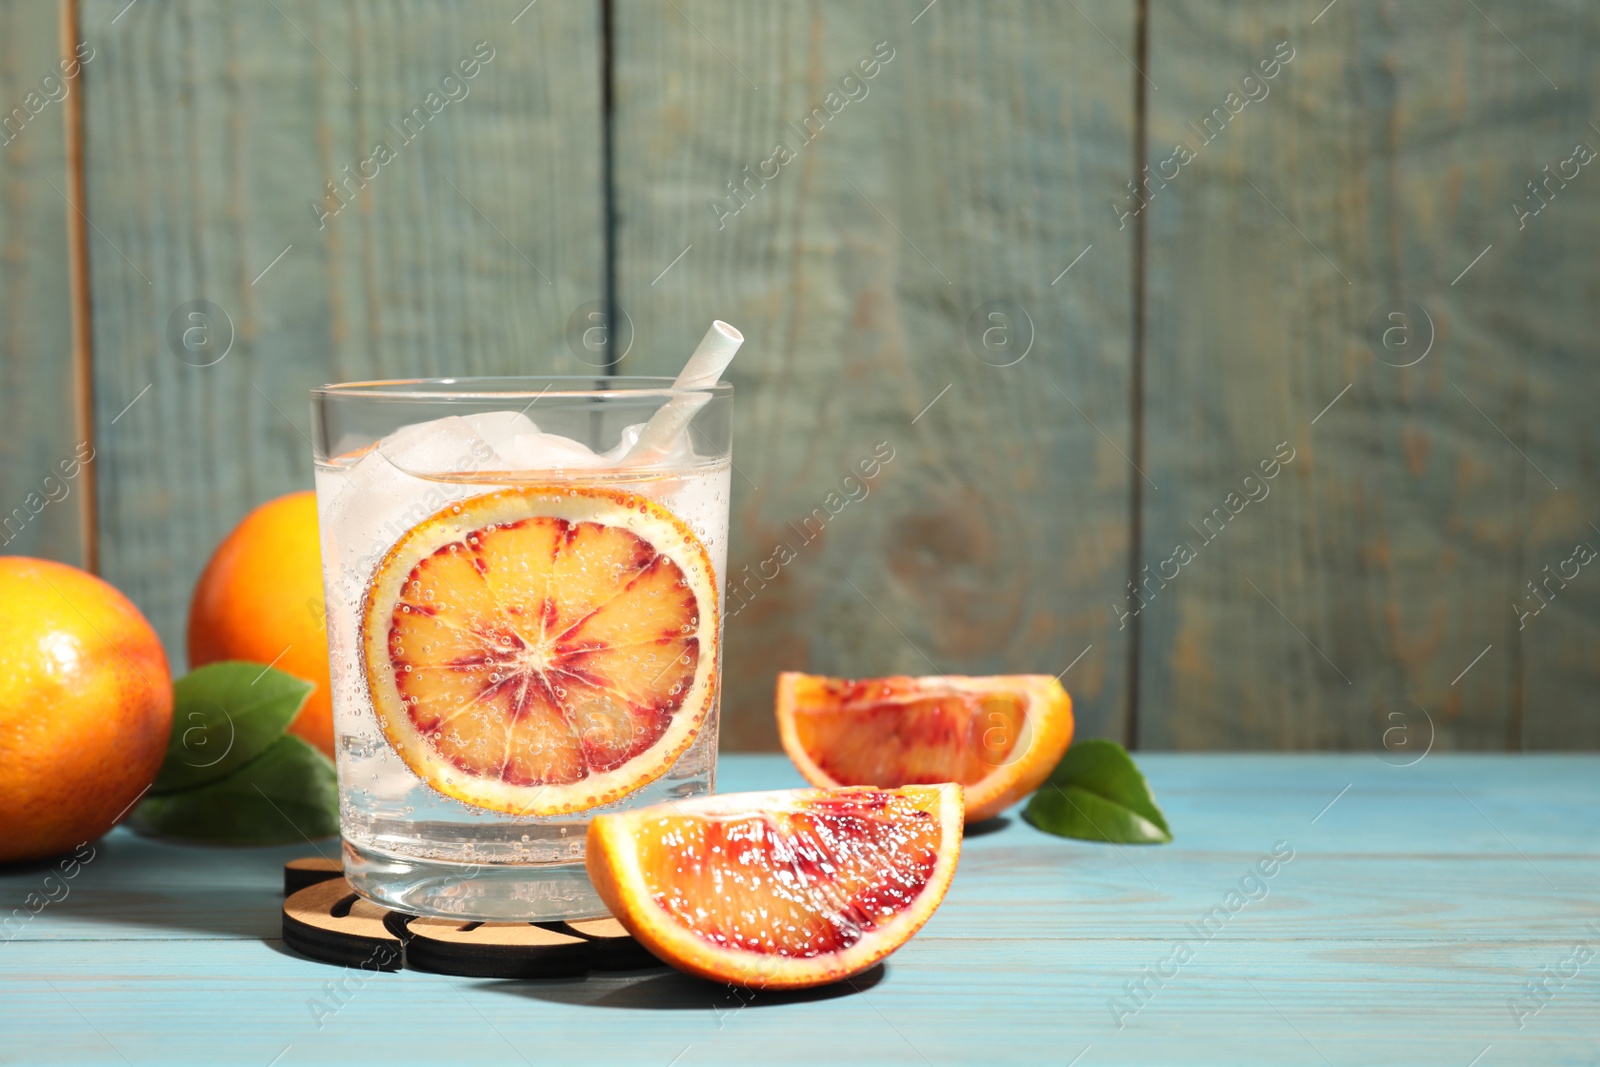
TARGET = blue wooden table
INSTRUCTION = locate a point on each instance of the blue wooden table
(1313, 910)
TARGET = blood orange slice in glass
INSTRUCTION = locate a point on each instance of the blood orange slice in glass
(779, 890)
(543, 650)
(1000, 737)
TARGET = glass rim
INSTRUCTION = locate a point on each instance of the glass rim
(505, 387)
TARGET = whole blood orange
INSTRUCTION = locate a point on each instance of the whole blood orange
(260, 599)
(543, 650)
(1000, 737)
(85, 707)
(779, 890)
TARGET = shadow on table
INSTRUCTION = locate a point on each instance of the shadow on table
(672, 991)
(131, 881)
(987, 826)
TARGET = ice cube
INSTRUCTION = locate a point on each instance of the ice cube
(630, 437)
(451, 445)
(365, 507)
(549, 451)
(500, 428)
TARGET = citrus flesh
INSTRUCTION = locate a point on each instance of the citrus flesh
(543, 650)
(779, 890)
(999, 736)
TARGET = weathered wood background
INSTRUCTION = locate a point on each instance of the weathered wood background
(954, 266)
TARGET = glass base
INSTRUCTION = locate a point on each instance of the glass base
(480, 892)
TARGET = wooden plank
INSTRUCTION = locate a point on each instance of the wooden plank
(1014, 883)
(1039, 1002)
(970, 168)
(1535, 302)
(1357, 871)
(213, 130)
(1401, 903)
(1375, 170)
(43, 483)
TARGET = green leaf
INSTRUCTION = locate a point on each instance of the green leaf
(287, 794)
(223, 716)
(1097, 793)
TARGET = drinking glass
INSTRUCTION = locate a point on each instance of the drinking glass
(458, 726)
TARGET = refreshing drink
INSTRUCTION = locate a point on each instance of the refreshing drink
(523, 627)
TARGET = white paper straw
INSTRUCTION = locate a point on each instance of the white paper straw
(711, 357)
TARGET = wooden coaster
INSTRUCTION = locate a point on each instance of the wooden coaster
(614, 948)
(327, 920)
(497, 950)
(308, 871)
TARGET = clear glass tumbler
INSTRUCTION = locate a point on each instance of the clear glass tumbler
(524, 625)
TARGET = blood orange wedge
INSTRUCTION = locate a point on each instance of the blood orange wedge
(779, 890)
(999, 737)
(543, 650)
